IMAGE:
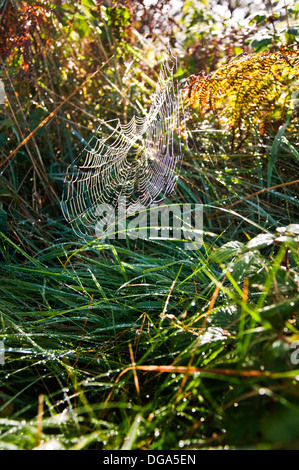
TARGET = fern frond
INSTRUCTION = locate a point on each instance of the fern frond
(251, 91)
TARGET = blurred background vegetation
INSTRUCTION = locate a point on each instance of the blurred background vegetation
(216, 327)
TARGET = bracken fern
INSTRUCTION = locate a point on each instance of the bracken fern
(251, 92)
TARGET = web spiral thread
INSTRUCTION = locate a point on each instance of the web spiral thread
(138, 162)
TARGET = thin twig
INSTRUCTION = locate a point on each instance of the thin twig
(50, 116)
(281, 185)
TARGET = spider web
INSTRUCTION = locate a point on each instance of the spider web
(137, 162)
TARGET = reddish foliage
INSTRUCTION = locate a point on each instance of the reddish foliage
(18, 24)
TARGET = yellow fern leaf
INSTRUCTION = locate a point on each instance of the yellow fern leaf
(251, 91)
